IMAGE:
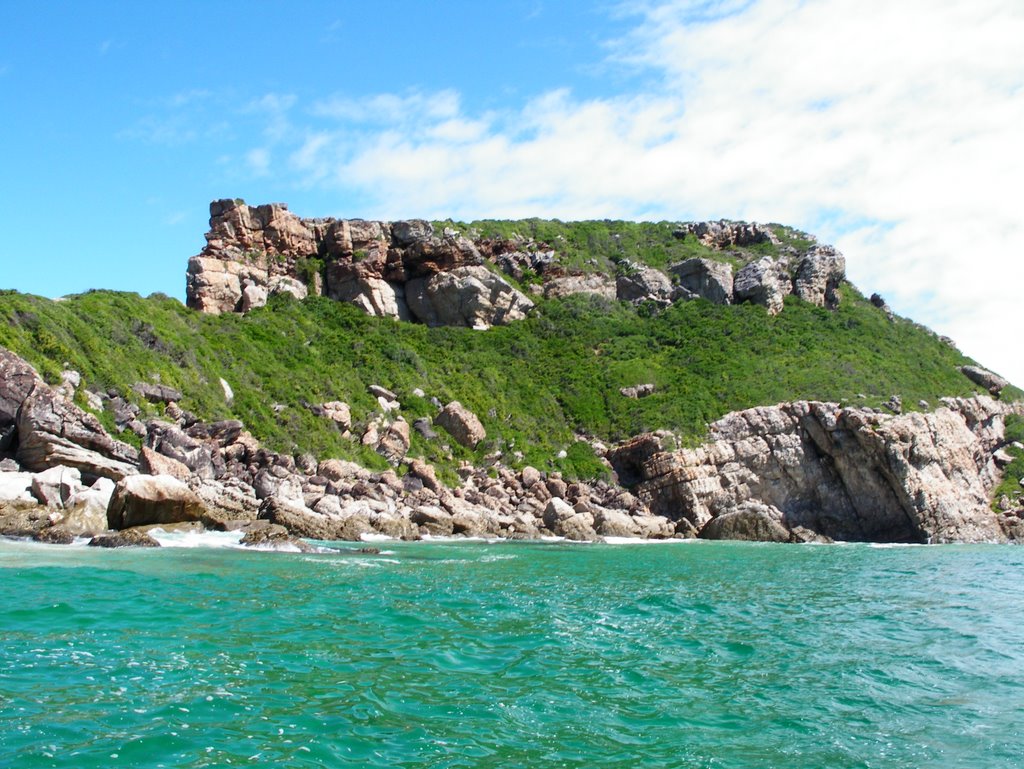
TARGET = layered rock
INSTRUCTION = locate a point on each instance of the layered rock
(395, 269)
(843, 473)
(704, 279)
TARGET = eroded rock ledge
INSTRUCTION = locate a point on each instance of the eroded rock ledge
(408, 271)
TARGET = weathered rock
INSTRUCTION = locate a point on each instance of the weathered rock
(157, 393)
(727, 234)
(985, 378)
(17, 381)
(819, 275)
(85, 512)
(643, 283)
(53, 431)
(850, 474)
(152, 463)
(749, 521)
(139, 500)
(462, 424)
(762, 282)
(54, 535)
(433, 521)
(704, 279)
(55, 486)
(274, 537)
(466, 296)
(299, 520)
(394, 442)
(638, 391)
(567, 285)
(199, 456)
(126, 538)
(614, 523)
(17, 487)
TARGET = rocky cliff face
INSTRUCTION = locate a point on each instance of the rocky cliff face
(806, 470)
(408, 271)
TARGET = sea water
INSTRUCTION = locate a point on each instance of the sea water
(480, 654)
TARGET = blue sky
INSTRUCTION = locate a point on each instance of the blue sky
(889, 129)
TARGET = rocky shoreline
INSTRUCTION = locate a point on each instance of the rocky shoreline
(794, 472)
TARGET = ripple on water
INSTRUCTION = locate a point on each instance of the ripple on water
(490, 654)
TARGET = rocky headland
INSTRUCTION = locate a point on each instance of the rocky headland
(801, 471)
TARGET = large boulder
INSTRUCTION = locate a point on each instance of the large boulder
(704, 279)
(53, 431)
(750, 521)
(763, 282)
(985, 378)
(819, 275)
(462, 424)
(466, 296)
(17, 380)
(139, 500)
(639, 283)
(55, 486)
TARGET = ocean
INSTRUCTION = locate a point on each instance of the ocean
(512, 654)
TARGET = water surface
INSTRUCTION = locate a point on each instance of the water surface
(508, 654)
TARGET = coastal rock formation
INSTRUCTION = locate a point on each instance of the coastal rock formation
(843, 473)
(763, 282)
(725, 234)
(818, 277)
(407, 270)
(401, 269)
(985, 378)
(462, 424)
(139, 500)
(704, 279)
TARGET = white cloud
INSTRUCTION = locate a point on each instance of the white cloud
(892, 129)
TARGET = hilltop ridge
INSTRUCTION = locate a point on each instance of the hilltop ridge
(480, 274)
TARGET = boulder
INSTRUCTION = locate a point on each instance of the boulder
(466, 296)
(55, 486)
(157, 393)
(615, 523)
(126, 538)
(299, 520)
(567, 285)
(637, 391)
(750, 521)
(152, 463)
(85, 512)
(140, 500)
(641, 283)
(985, 378)
(433, 520)
(53, 431)
(704, 279)
(462, 424)
(819, 275)
(762, 282)
(17, 487)
(274, 537)
(394, 441)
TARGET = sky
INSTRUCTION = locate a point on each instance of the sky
(893, 130)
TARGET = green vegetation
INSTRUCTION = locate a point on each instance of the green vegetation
(1010, 485)
(535, 384)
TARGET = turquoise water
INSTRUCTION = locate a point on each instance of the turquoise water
(513, 655)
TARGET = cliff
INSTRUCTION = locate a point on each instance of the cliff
(407, 270)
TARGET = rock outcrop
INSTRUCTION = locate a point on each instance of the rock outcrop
(841, 473)
(397, 269)
(406, 270)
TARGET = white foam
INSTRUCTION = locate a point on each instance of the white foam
(374, 537)
(194, 538)
(643, 541)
